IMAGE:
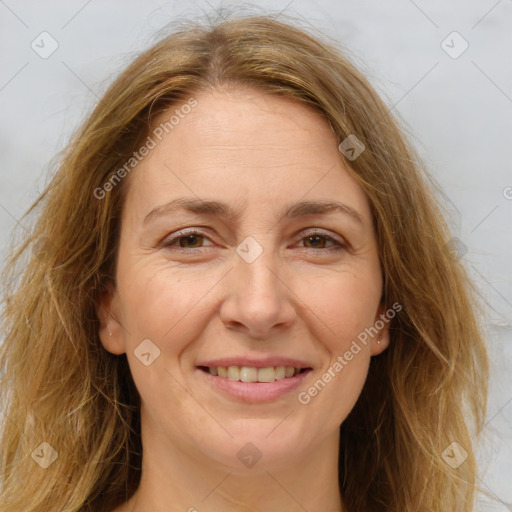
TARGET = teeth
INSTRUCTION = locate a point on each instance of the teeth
(289, 371)
(280, 372)
(233, 373)
(250, 374)
(266, 374)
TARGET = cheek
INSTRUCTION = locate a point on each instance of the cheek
(341, 305)
(163, 304)
(339, 308)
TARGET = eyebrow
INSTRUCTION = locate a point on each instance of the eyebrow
(217, 208)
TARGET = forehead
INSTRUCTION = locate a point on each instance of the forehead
(244, 146)
(244, 116)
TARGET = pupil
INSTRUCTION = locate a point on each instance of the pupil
(314, 237)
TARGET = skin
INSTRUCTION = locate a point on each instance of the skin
(260, 153)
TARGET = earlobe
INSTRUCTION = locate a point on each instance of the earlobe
(380, 341)
(110, 331)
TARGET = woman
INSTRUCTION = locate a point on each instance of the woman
(239, 297)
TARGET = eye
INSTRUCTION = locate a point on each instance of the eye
(315, 239)
(187, 240)
(191, 239)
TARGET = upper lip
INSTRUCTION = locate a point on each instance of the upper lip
(260, 362)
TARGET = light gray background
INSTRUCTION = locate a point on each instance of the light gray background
(458, 110)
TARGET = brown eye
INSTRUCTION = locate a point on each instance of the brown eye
(316, 241)
(319, 240)
(186, 240)
(193, 240)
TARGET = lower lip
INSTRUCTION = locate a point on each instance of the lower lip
(255, 391)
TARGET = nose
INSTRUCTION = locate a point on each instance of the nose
(259, 297)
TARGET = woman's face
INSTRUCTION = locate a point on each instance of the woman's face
(254, 286)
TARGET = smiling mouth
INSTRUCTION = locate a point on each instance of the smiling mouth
(252, 374)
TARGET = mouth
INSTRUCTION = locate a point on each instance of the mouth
(251, 384)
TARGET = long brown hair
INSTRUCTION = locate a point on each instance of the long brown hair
(60, 386)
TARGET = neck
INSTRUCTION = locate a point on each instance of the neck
(175, 478)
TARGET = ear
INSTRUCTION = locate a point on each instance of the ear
(111, 331)
(380, 341)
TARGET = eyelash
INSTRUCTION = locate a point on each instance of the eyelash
(169, 242)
